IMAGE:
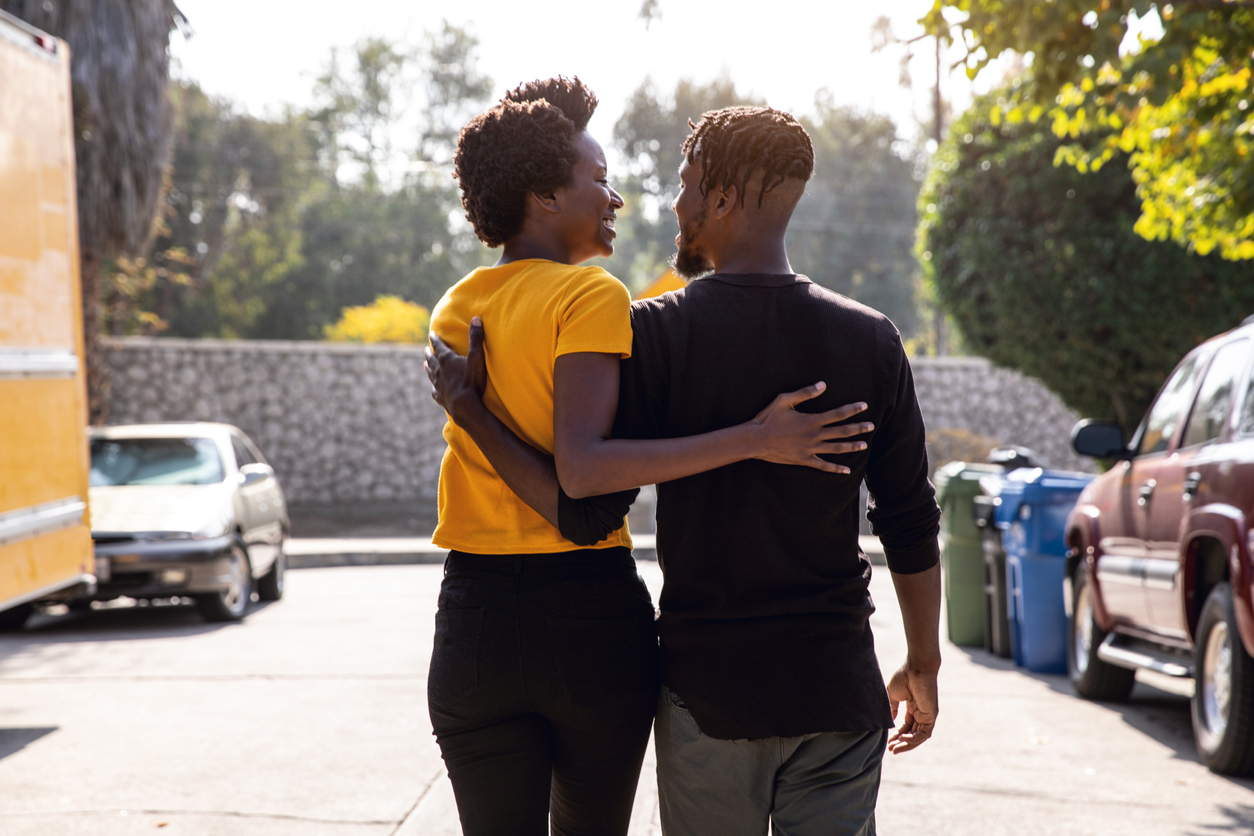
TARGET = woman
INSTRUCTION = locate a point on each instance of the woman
(543, 676)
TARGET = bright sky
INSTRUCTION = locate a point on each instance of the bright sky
(265, 53)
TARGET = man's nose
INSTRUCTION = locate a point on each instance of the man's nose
(616, 199)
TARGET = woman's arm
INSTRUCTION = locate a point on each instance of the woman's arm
(585, 398)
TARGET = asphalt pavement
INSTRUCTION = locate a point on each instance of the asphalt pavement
(310, 718)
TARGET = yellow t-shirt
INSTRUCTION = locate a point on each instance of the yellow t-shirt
(533, 312)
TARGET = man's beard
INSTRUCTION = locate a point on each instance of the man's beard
(687, 262)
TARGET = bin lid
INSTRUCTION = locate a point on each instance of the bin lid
(1036, 486)
(961, 478)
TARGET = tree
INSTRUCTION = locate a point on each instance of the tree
(389, 319)
(1042, 271)
(386, 230)
(359, 108)
(1177, 109)
(272, 226)
(122, 124)
(227, 231)
(854, 230)
(455, 91)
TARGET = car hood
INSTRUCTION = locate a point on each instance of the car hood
(128, 509)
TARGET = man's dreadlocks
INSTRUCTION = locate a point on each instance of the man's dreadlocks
(735, 142)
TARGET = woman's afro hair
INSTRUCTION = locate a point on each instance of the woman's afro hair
(524, 144)
(735, 142)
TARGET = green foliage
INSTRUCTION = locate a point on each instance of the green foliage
(228, 227)
(285, 222)
(1042, 271)
(357, 245)
(852, 232)
(1182, 107)
(389, 319)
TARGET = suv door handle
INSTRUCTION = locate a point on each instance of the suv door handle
(1191, 484)
(1145, 492)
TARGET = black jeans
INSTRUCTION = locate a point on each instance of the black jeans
(542, 689)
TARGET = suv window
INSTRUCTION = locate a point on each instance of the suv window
(1215, 396)
(1170, 408)
(242, 456)
(1246, 425)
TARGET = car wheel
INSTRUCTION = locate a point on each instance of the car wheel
(1223, 698)
(1091, 677)
(270, 585)
(232, 603)
(12, 619)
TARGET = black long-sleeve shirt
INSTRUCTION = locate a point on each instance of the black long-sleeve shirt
(765, 607)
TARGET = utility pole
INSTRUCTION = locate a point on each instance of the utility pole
(938, 317)
(881, 36)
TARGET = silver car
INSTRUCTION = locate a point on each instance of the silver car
(186, 510)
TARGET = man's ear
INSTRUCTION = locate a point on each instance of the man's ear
(545, 202)
(726, 202)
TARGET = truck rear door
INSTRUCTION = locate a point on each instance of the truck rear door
(45, 541)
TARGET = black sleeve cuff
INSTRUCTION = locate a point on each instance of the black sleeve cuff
(913, 561)
(588, 521)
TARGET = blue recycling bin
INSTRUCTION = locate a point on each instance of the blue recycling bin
(1032, 517)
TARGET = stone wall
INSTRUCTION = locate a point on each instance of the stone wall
(353, 425)
(342, 424)
(970, 393)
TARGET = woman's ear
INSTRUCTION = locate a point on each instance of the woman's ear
(545, 202)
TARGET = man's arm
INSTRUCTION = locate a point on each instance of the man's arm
(904, 515)
(914, 683)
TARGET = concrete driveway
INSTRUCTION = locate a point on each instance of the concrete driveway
(310, 718)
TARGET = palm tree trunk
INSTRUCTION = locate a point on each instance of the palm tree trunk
(99, 383)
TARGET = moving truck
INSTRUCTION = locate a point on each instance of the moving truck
(45, 539)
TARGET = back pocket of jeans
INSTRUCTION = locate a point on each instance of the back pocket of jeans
(599, 659)
(454, 670)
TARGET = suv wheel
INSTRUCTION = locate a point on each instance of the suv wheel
(1091, 677)
(1223, 698)
(232, 603)
(270, 585)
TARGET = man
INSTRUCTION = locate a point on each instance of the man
(772, 706)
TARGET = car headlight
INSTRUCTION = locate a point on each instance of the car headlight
(209, 530)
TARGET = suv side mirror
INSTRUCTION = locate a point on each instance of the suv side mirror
(1099, 440)
(251, 474)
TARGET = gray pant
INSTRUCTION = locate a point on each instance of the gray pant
(814, 784)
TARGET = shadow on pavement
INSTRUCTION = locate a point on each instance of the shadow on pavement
(13, 741)
(1156, 713)
(1241, 821)
(166, 621)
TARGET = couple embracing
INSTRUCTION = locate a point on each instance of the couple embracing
(757, 402)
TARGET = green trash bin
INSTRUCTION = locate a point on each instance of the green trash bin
(962, 550)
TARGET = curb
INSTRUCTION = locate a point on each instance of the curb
(303, 553)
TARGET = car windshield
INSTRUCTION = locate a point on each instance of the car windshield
(155, 461)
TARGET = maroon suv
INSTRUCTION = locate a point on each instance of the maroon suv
(1159, 566)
